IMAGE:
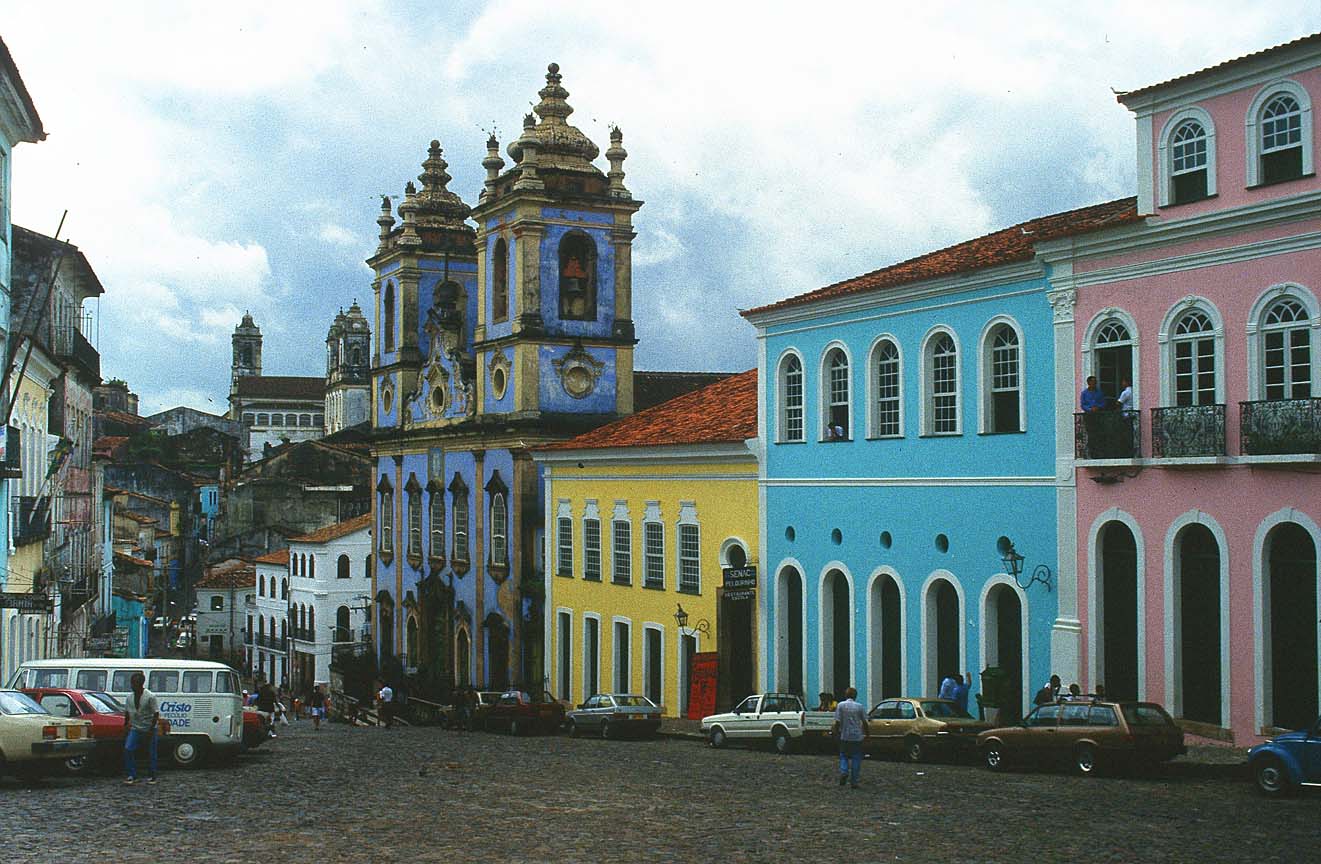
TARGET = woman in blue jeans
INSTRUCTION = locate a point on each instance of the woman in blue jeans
(141, 716)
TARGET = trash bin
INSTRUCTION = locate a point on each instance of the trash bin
(995, 681)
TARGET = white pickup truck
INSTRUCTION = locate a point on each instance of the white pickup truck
(777, 718)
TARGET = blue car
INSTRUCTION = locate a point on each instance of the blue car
(1288, 761)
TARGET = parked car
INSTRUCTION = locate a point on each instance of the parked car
(921, 728)
(1288, 761)
(34, 741)
(517, 712)
(776, 718)
(449, 715)
(1086, 735)
(255, 729)
(106, 714)
(615, 715)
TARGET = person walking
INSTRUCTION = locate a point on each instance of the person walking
(385, 703)
(851, 731)
(317, 704)
(142, 715)
(266, 707)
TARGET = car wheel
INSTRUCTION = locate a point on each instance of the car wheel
(914, 751)
(781, 741)
(573, 729)
(188, 753)
(995, 756)
(1084, 759)
(717, 738)
(1272, 777)
(605, 730)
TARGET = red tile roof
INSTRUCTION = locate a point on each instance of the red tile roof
(281, 387)
(336, 531)
(130, 559)
(233, 573)
(1006, 246)
(725, 411)
(126, 418)
(279, 556)
(108, 445)
(1304, 40)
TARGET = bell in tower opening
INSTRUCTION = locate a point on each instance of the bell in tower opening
(577, 278)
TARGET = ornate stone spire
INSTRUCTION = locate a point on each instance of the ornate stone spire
(492, 163)
(559, 144)
(407, 212)
(436, 206)
(529, 146)
(617, 154)
(385, 221)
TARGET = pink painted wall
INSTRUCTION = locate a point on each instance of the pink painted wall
(1238, 497)
(1229, 114)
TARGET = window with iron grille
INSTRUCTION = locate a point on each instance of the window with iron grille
(621, 559)
(653, 555)
(564, 547)
(592, 549)
(690, 559)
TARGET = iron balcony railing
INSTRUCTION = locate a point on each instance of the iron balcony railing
(277, 643)
(1188, 430)
(1280, 427)
(31, 519)
(1107, 435)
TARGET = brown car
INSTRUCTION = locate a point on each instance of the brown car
(919, 728)
(1085, 734)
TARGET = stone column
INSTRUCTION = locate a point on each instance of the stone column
(1066, 634)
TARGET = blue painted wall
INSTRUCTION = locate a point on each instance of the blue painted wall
(936, 485)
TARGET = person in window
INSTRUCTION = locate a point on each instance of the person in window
(1126, 396)
(1092, 399)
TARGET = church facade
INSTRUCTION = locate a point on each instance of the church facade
(491, 341)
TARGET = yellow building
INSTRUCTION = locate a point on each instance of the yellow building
(642, 518)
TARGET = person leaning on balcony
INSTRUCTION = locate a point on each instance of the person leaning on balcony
(1092, 399)
(1126, 396)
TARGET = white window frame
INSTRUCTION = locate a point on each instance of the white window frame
(927, 405)
(386, 543)
(414, 527)
(591, 514)
(1257, 336)
(782, 434)
(651, 519)
(621, 554)
(986, 373)
(436, 503)
(873, 386)
(563, 545)
(825, 386)
(1167, 342)
(563, 646)
(1166, 153)
(1089, 346)
(499, 529)
(587, 691)
(687, 519)
(1253, 121)
(462, 526)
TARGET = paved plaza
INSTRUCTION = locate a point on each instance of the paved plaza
(423, 794)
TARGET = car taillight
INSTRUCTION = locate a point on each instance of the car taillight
(50, 733)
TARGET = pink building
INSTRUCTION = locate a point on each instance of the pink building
(1198, 499)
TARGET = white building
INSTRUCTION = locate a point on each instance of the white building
(330, 588)
(267, 627)
(222, 594)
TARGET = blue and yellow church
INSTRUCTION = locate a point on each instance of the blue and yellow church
(499, 328)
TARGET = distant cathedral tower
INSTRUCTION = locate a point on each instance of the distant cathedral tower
(247, 351)
(348, 370)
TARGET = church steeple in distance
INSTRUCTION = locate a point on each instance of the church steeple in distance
(246, 343)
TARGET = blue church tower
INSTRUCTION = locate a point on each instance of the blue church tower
(490, 342)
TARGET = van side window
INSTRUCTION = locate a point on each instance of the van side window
(196, 682)
(90, 679)
(55, 678)
(163, 682)
(227, 682)
(122, 681)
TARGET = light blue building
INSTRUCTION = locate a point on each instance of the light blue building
(910, 428)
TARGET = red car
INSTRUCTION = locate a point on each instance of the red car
(255, 730)
(106, 714)
(517, 712)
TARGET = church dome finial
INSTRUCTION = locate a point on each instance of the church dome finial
(435, 206)
(559, 144)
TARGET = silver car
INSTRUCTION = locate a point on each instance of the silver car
(616, 715)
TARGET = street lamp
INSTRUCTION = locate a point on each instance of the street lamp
(681, 619)
(1013, 563)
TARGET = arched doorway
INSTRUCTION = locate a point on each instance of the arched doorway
(1117, 612)
(1291, 585)
(734, 630)
(385, 627)
(1198, 642)
(463, 659)
(836, 634)
(789, 631)
(886, 638)
(944, 637)
(1002, 623)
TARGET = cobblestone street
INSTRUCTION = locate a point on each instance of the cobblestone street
(346, 794)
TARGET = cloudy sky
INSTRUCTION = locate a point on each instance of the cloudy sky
(228, 156)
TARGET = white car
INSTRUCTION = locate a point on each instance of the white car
(33, 741)
(774, 718)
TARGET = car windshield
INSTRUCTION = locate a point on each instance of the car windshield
(104, 703)
(634, 701)
(944, 709)
(19, 703)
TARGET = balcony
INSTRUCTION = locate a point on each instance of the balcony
(1107, 435)
(1188, 431)
(1280, 427)
(71, 344)
(32, 519)
(272, 642)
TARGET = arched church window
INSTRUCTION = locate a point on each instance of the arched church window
(577, 277)
(357, 355)
(245, 355)
(500, 280)
(387, 309)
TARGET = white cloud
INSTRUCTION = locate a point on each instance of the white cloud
(340, 236)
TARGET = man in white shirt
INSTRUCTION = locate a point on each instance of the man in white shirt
(851, 730)
(385, 699)
(1126, 397)
(141, 716)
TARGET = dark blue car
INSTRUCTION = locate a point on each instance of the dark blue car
(1288, 761)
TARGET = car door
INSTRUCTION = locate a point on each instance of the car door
(1038, 733)
(603, 708)
(1312, 755)
(1073, 727)
(880, 724)
(743, 724)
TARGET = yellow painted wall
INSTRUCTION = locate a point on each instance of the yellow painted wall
(725, 496)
